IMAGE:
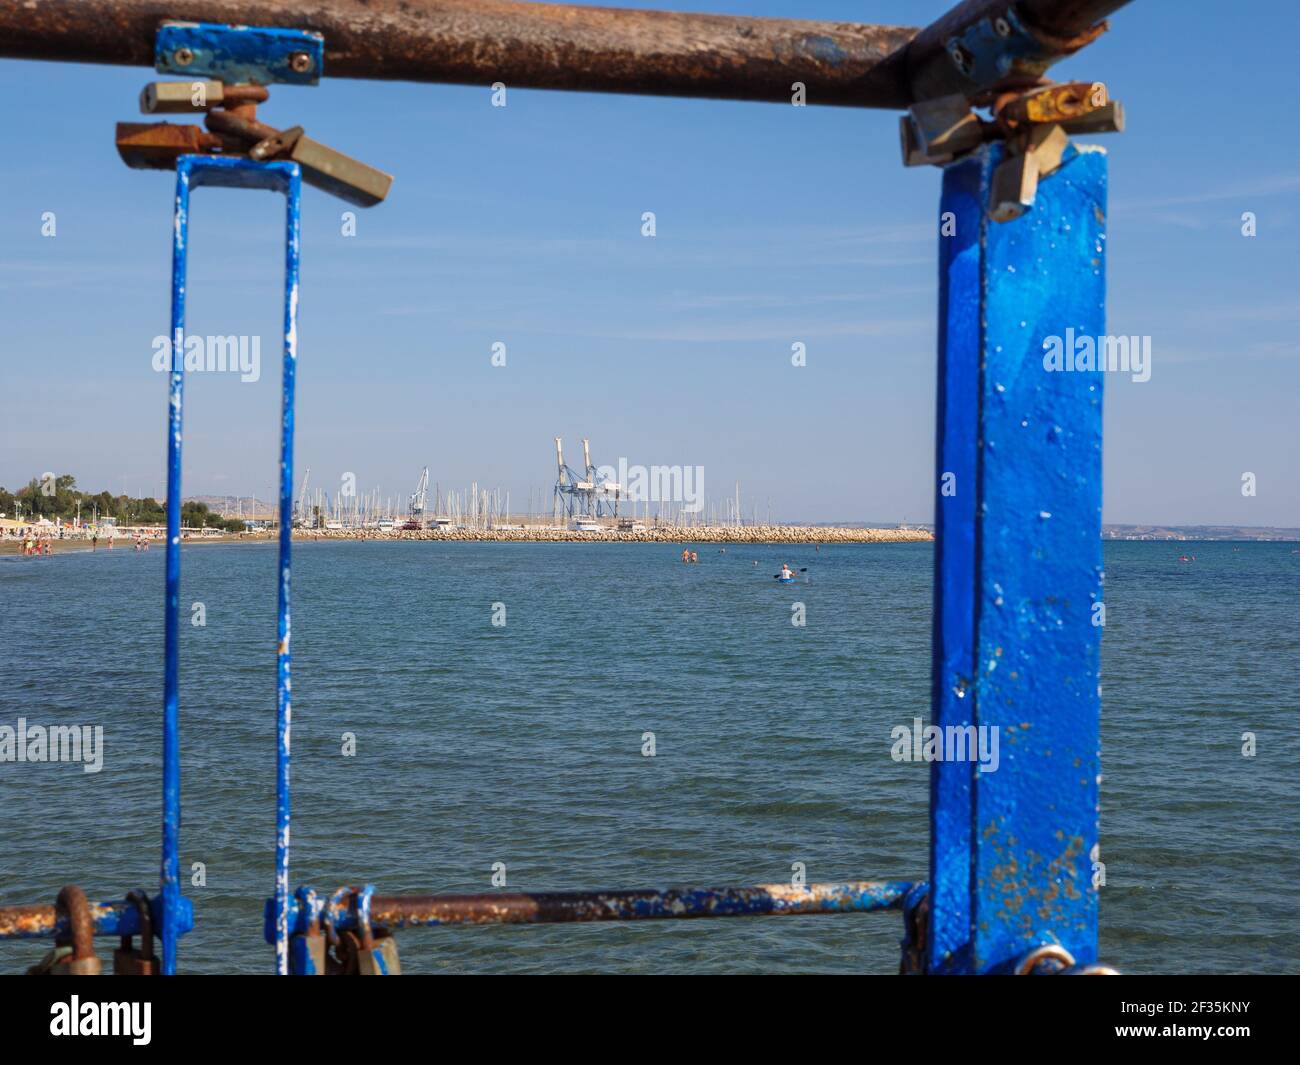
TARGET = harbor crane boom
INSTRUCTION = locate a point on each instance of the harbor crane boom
(420, 496)
(300, 506)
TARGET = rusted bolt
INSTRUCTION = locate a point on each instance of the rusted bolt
(1002, 26)
(182, 57)
(300, 62)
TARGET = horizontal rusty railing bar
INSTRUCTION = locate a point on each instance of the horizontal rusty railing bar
(560, 907)
(564, 46)
(115, 918)
(479, 42)
(1056, 29)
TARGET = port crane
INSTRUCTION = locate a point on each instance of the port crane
(586, 496)
(418, 499)
(300, 507)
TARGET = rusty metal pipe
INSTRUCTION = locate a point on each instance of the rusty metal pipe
(1053, 29)
(563, 907)
(564, 46)
(525, 45)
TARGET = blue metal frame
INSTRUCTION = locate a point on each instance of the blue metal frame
(1017, 570)
(194, 171)
(237, 54)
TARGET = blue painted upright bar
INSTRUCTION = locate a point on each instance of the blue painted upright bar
(1018, 570)
(169, 876)
(284, 715)
(961, 286)
(193, 171)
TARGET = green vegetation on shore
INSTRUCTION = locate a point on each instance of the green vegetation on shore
(57, 499)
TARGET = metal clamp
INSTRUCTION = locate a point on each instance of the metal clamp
(1033, 125)
(231, 67)
(259, 54)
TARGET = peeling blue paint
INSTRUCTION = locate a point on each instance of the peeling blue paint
(194, 171)
(962, 224)
(562, 907)
(116, 918)
(1018, 568)
(823, 48)
(995, 47)
(239, 54)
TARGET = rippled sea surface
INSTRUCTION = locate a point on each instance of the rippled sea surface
(522, 744)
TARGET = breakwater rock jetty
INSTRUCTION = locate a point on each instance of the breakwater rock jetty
(718, 534)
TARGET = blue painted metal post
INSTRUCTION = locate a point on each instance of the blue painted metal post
(1018, 568)
(193, 171)
(284, 714)
(170, 873)
(962, 227)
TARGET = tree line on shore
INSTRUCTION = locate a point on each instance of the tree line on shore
(56, 498)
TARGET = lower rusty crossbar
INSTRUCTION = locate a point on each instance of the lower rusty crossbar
(116, 918)
(559, 907)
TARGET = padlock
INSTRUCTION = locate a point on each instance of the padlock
(1015, 181)
(184, 97)
(380, 957)
(376, 955)
(322, 166)
(307, 949)
(128, 961)
(340, 952)
(81, 925)
(1106, 119)
(51, 959)
(936, 131)
(157, 145)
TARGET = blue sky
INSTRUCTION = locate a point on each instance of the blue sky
(775, 225)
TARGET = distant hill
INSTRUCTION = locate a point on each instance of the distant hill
(1198, 532)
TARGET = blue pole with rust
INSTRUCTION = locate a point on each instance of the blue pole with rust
(193, 171)
(171, 827)
(1018, 571)
(292, 190)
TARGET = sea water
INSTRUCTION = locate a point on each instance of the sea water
(434, 749)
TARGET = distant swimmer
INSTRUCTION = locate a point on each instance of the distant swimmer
(695, 556)
(686, 555)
